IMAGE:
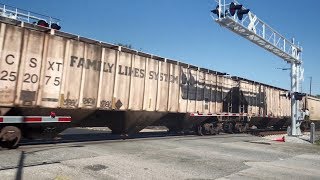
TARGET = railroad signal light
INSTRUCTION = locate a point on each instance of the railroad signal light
(241, 12)
(298, 96)
(234, 7)
(55, 26)
(237, 8)
(216, 11)
(42, 23)
(286, 95)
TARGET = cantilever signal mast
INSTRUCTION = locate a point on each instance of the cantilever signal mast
(240, 20)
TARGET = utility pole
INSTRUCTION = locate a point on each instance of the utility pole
(240, 20)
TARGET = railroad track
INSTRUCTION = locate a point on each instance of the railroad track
(108, 137)
(93, 138)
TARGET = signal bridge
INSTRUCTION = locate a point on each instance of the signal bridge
(240, 20)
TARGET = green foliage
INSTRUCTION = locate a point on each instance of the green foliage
(318, 96)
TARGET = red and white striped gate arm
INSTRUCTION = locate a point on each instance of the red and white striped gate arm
(35, 119)
(232, 114)
(219, 114)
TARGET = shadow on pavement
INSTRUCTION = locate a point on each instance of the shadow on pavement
(95, 136)
(20, 166)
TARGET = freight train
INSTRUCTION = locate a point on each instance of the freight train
(51, 80)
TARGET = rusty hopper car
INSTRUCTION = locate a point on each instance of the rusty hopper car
(313, 105)
(48, 72)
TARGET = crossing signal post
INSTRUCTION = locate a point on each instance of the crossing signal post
(240, 20)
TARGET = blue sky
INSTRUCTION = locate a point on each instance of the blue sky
(183, 30)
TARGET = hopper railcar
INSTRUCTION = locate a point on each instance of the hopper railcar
(48, 72)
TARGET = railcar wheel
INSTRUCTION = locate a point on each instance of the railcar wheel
(213, 131)
(230, 128)
(245, 127)
(219, 128)
(200, 130)
(238, 127)
(10, 136)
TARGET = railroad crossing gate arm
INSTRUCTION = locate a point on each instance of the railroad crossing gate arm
(34, 119)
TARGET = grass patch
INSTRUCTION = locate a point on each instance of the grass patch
(317, 142)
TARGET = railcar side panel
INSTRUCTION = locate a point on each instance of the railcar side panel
(91, 75)
(261, 99)
(137, 83)
(73, 68)
(219, 95)
(122, 81)
(207, 93)
(151, 85)
(174, 86)
(30, 68)
(313, 104)
(107, 78)
(10, 46)
(253, 97)
(268, 101)
(256, 98)
(277, 102)
(183, 90)
(192, 90)
(212, 86)
(225, 89)
(245, 91)
(200, 103)
(163, 87)
(283, 104)
(52, 71)
(254, 93)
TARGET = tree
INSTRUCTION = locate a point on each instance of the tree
(318, 96)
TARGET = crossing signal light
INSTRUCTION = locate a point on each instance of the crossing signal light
(42, 23)
(237, 9)
(234, 7)
(241, 12)
(298, 96)
(216, 11)
(55, 26)
(287, 95)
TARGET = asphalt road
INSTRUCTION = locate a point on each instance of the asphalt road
(231, 156)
